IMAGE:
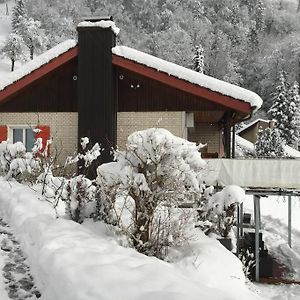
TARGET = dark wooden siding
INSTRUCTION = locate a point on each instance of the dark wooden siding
(137, 93)
(55, 92)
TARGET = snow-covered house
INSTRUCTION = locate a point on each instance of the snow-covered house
(97, 89)
(249, 131)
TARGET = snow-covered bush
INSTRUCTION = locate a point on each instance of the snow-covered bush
(78, 192)
(216, 213)
(15, 161)
(156, 170)
(79, 196)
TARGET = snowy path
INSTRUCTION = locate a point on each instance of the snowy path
(17, 282)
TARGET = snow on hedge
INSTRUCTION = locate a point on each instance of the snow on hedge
(82, 262)
(189, 75)
(101, 24)
(36, 63)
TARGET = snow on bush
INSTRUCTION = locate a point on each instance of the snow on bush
(78, 192)
(156, 171)
(216, 213)
(79, 195)
(14, 160)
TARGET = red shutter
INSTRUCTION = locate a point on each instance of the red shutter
(3, 133)
(44, 134)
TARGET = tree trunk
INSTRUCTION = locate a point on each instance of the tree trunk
(298, 8)
(12, 64)
(31, 48)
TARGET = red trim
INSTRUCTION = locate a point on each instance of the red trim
(3, 133)
(44, 134)
(38, 73)
(183, 85)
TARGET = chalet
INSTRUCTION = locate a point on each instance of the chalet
(97, 89)
(249, 131)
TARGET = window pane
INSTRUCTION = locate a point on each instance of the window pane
(17, 135)
(29, 139)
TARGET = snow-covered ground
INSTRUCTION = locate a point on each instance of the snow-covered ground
(274, 212)
(72, 261)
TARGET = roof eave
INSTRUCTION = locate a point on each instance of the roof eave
(43, 70)
(229, 102)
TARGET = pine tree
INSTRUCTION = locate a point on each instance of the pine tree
(259, 16)
(198, 59)
(18, 13)
(27, 28)
(269, 143)
(14, 49)
(294, 115)
(279, 110)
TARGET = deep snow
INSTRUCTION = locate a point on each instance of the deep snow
(72, 261)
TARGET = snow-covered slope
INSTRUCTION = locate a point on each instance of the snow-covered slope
(76, 262)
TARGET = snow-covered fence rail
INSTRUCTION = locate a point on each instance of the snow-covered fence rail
(254, 173)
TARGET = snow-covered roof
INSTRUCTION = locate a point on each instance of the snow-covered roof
(102, 24)
(36, 63)
(246, 126)
(189, 75)
(249, 147)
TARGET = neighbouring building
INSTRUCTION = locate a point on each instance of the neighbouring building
(96, 89)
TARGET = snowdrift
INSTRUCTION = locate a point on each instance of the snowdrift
(76, 262)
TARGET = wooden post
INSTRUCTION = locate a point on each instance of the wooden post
(290, 221)
(256, 217)
(242, 217)
(238, 231)
(233, 142)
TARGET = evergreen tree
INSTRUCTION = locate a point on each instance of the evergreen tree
(14, 49)
(18, 14)
(279, 110)
(269, 143)
(285, 110)
(198, 59)
(27, 28)
(294, 115)
(259, 16)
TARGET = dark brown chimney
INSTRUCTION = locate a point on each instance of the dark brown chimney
(96, 101)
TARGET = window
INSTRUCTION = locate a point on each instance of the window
(24, 135)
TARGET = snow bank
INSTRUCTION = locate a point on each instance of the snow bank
(191, 76)
(75, 262)
(36, 63)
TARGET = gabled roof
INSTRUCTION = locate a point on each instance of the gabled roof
(201, 80)
(37, 68)
(201, 85)
(248, 126)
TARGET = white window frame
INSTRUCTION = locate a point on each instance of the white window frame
(24, 127)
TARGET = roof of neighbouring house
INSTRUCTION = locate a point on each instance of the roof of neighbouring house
(50, 60)
(248, 126)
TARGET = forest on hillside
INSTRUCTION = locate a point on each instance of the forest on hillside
(245, 42)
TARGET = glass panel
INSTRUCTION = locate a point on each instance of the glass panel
(29, 139)
(17, 135)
